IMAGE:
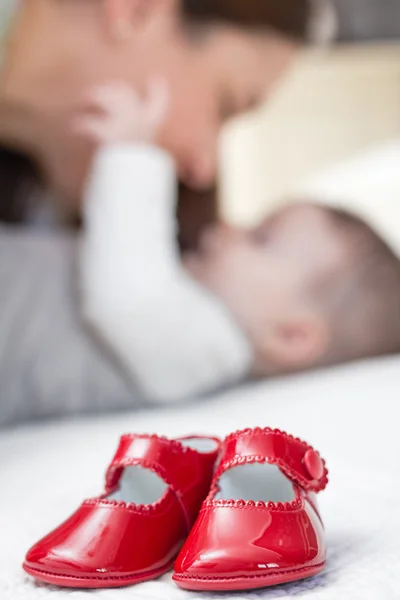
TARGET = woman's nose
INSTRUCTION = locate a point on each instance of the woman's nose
(198, 175)
(199, 171)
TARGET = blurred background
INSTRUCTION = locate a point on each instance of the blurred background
(338, 99)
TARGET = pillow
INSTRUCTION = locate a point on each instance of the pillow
(368, 185)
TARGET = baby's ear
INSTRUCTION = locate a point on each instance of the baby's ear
(298, 342)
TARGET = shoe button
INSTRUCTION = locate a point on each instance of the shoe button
(313, 464)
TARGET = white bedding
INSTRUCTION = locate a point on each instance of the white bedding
(350, 414)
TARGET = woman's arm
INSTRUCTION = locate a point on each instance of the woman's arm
(174, 338)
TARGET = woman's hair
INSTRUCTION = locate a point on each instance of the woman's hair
(20, 182)
(290, 17)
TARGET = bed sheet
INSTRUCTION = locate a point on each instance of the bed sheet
(350, 414)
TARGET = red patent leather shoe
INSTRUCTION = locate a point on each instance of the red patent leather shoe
(133, 533)
(260, 525)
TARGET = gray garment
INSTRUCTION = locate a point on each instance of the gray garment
(50, 366)
(368, 19)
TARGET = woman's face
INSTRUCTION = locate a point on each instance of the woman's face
(60, 48)
(227, 72)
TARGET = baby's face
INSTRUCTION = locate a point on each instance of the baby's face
(263, 274)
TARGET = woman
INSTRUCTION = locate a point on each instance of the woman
(218, 62)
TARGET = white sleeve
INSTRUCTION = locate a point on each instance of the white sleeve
(173, 337)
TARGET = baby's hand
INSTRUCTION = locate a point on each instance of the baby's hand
(116, 113)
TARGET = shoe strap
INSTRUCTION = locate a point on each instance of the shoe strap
(296, 459)
(187, 472)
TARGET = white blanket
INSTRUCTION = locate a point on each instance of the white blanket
(350, 414)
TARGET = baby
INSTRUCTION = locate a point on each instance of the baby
(310, 286)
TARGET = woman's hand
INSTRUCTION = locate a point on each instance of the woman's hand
(115, 112)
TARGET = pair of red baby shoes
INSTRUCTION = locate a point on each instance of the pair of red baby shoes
(231, 515)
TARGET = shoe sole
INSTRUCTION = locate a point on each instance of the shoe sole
(249, 582)
(93, 582)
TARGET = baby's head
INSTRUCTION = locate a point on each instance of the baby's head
(310, 286)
